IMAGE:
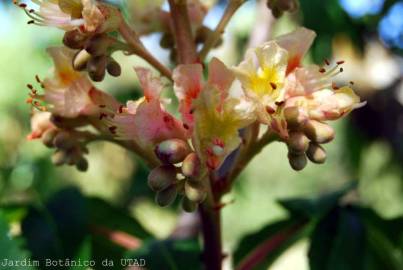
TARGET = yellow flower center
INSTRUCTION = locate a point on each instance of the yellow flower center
(267, 81)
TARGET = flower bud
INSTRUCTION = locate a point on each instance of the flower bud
(48, 137)
(113, 68)
(318, 132)
(74, 39)
(73, 155)
(81, 59)
(166, 196)
(82, 165)
(172, 151)
(59, 157)
(297, 161)
(96, 68)
(195, 191)
(316, 153)
(63, 140)
(295, 117)
(297, 142)
(161, 177)
(188, 205)
(98, 45)
(279, 6)
(191, 165)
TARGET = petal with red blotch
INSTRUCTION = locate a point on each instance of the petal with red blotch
(297, 43)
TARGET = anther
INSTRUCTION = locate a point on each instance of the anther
(334, 86)
(121, 107)
(113, 129)
(270, 110)
(351, 82)
(327, 62)
(22, 5)
(322, 70)
(102, 115)
(341, 69)
(340, 62)
(31, 22)
(273, 85)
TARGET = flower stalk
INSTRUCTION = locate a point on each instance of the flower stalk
(185, 45)
(212, 40)
(137, 48)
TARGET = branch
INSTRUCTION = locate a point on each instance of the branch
(137, 48)
(212, 40)
(185, 45)
(246, 155)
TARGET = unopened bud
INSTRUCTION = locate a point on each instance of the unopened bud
(96, 68)
(318, 132)
(74, 39)
(63, 140)
(191, 165)
(161, 177)
(166, 196)
(316, 153)
(195, 191)
(48, 137)
(297, 161)
(279, 6)
(59, 157)
(297, 142)
(295, 117)
(81, 59)
(113, 68)
(82, 165)
(98, 45)
(172, 151)
(73, 155)
(188, 205)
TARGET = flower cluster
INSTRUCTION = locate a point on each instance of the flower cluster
(270, 87)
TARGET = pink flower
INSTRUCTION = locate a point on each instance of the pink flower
(40, 123)
(85, 15)
(146, 121)
(70, 93)
(214, 115)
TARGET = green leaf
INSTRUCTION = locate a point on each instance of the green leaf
(260, 249)
(64, 227)
(105, 216)
(115, 218)
(168, 254)
(60, 227)
(10, 248)
(314, 208)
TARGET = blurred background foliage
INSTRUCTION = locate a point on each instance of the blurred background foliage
(49, 212)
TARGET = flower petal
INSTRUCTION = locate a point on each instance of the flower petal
(297, 43)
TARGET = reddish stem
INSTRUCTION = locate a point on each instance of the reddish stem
(268, 246)
(185, 45)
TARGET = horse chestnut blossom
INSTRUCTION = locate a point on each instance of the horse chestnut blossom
(226, 115)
